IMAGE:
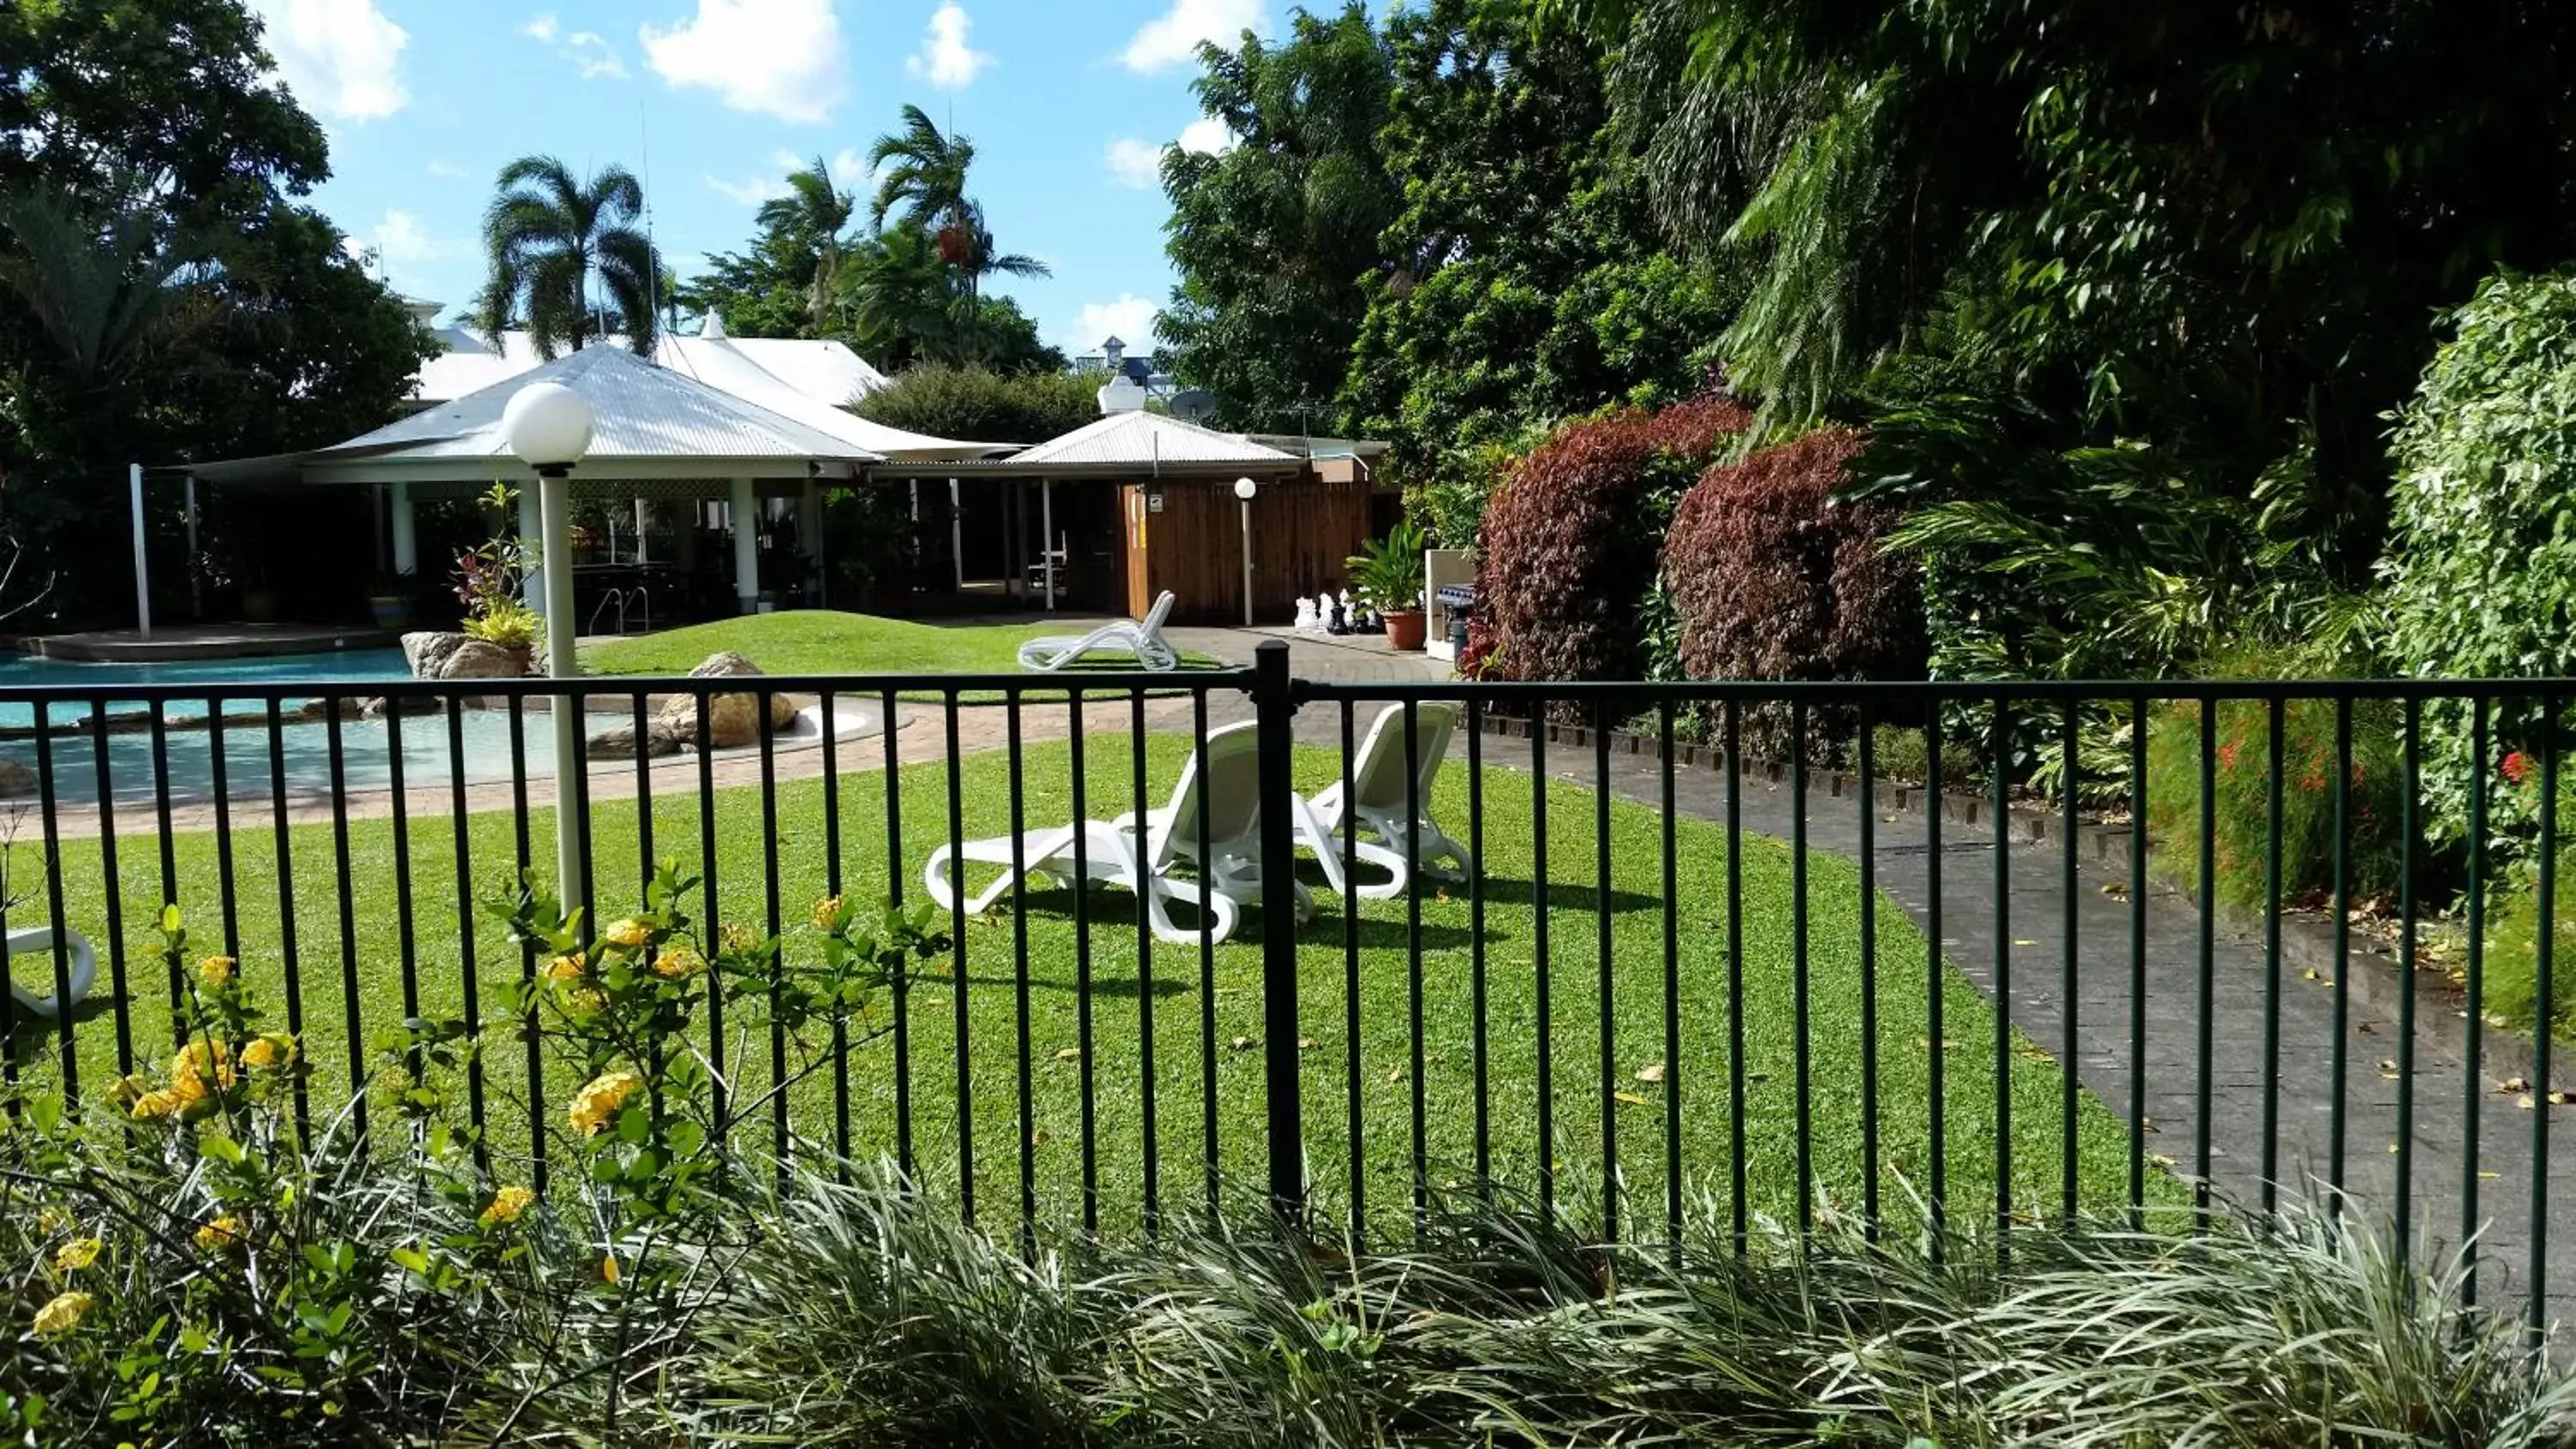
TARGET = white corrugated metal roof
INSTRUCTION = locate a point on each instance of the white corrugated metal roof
(1145, 439)
(641, 411)
(726, 365)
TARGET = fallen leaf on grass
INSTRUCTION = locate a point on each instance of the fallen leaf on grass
(1651, 1072)
(1066, 1054)
(2514, 1084)
(1395, 1074)
(1631, 1098)
(1925, 1042)
(1307, 1043)
(1040, 1138)
(1241, 1043)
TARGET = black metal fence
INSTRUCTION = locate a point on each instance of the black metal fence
(1776, 959)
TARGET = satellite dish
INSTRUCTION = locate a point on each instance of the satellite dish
(1194, 405)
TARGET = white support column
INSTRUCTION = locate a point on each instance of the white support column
(643, 551)
(532, 589)
(406, 539)
(1046, 536)
(142, 561)
(745, 514)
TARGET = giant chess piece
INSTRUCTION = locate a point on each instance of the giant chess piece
(1306, 616)
(1339, 620)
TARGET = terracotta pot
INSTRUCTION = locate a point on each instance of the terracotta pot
(1405, 628)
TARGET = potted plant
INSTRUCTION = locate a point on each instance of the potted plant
(389, 599)
(1387, 574)
(489, 583)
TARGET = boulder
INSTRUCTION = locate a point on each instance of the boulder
(475, 659)
(726, 664)
(16, 780)
(427, 651)
(661, 737)
(733, 720)
(381, 706)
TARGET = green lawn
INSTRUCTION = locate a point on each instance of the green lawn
(826, 641)
(1181, 1006)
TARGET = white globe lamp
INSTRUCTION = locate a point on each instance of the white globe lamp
(1244, 489)
(548, 427)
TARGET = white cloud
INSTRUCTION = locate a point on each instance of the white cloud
(1173, 38)
(541, 27)
(1134, 163)
(1209, 135)
(340, 57)
(945, 59)
(400, 237)
(1130, 319)
(586, 51)
(751, 192)
(782, 58)
(446, 170)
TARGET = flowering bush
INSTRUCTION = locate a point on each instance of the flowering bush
(491, 580)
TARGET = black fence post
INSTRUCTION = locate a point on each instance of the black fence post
(1274, 708)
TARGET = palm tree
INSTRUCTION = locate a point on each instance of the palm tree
(899, 296)
(104, 288)
(976, 259)
(549, 234)
(811, 217)
(927, 181)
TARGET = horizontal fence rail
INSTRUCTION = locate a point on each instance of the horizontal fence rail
(1760, 959)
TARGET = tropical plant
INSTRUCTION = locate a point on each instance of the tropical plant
(810, 219)
(946, 400)
(550, 236)
(1387, 572)
(924, 177)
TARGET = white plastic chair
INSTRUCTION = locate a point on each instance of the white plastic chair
(1381, 801)
(1117, 853)
(80, 960)
(1142, 639)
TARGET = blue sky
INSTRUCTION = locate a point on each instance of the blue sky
(1068, 103)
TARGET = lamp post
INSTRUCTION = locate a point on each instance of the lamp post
(548, 427)
(1244, 490)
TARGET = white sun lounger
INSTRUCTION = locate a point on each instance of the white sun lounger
(1142, 640)
(80, 959)
(1381, 802)
(1116, 853)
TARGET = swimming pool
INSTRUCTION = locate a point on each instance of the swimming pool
(24, 670)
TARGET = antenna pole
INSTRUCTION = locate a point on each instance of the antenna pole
(652, 251)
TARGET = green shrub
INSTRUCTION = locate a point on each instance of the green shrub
(2241, 807)
(2510, 968)
(972, 404)
(2481, 567)
(1897, 753)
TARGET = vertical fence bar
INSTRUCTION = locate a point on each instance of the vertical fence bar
(1936, 1075)
(400, 798)
(2342, 952)
(1546, 1064)
(1413, 963)
(1736, 1165)
(2409, 823)
(471, 976)
(713, 925)
(778, 1118)
(1274, 706)
(2139, 845)
(1868, 972)
(47, 807)
(1607, 1007)
(1800, 979)
(2473, 1024)
(287, 954)
(2272, 872)
(169, 840)
(115, 890)
(1152, 1184)
(1999, 791)
(218, 778)
(893, 767)
(1028, 1153)
(334, 749)
(1477, 984)
(643, 788)
(827, 712)
(2544, 952)
(1082, 971)
(532, 1038)
(1353, 1065)
(957, 966)
(2204, 1011)
(1672, 985)
(2070, 986)
(1207, 956)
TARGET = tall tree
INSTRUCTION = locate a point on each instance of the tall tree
(549, 235)
(925, 179)
(1273, 238)
(808, 221)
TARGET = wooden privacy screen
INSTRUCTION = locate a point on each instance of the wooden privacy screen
(1304, 529)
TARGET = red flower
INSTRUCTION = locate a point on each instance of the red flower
(2518, 767)
(2227, 754)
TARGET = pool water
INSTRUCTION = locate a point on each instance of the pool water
(28, 670)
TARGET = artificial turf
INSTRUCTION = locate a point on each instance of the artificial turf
(1025, 1019)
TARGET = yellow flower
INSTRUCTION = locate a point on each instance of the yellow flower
(565, 968)
(827, 911)
(608, 1272)
(271, 1051)
(75, 1255)
(219, 1233)
(156, 1104)
(586, 1002)
(507, 1204)
(736, 938)
(63, 1314)
(595, 1104)
(678, 962)
(216, 971)
(53, 1221)
(629, 934)
(202, 1065)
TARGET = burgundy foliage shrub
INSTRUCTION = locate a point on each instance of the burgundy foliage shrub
(1771, 580)
(1567, 550)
